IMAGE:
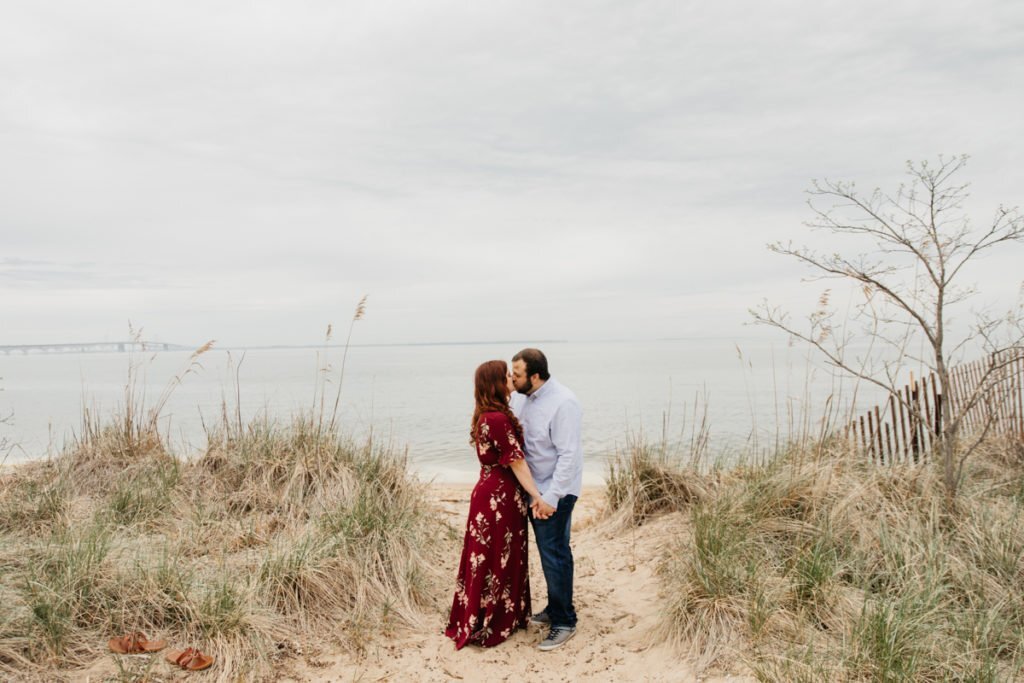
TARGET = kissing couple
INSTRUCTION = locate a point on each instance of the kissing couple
(526, 430)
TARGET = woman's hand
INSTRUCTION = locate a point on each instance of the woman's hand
(541, 510)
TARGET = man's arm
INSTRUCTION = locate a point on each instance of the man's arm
(565, 436)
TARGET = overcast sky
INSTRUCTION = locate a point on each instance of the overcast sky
(245, 171)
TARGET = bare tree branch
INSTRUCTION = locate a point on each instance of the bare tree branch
(916, 244)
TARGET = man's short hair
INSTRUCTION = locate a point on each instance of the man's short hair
(536, 363)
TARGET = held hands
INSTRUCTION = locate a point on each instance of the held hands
(541, 510)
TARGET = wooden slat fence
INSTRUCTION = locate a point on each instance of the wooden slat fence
(989, 392)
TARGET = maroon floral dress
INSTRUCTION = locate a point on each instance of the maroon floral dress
(492, 592)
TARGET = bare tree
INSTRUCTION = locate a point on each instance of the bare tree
(913, 247)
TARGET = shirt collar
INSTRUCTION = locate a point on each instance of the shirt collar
(543, 389)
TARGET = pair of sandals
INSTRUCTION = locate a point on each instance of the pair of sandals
(137, 643)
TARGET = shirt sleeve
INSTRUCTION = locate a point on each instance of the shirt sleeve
(565, 436)
(504, 438)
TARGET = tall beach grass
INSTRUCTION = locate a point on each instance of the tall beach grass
(818, 565)
(279, 538)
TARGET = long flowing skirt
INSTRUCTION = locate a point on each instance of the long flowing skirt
(492, 592)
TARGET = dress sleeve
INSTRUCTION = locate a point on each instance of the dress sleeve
(504, 438)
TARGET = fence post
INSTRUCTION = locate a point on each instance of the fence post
(995, 382)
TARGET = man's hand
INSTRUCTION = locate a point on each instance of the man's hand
(541, 510)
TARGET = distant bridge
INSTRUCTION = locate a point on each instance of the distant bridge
(92, 347)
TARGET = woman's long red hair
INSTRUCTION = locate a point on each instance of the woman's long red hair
(491, 393)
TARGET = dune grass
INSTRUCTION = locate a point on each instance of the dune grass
(650, 477)
(646, 479)
(278, 539)
(818, 565)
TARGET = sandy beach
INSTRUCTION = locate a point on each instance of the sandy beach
(616, 599)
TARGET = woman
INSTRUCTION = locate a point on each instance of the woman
(492, 592)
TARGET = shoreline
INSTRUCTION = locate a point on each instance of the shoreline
(447, 477)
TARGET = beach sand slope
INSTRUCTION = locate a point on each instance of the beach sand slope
(616, 600)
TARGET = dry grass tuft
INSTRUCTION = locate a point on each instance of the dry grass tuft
(822, 566)
(278, 534)
(32, 499)
(648, 479)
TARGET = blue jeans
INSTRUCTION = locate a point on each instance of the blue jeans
(556, 559)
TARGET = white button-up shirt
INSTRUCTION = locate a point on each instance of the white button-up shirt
(551, 419)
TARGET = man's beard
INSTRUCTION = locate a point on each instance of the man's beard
(525, 391)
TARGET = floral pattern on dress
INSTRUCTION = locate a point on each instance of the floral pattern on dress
(492, 589)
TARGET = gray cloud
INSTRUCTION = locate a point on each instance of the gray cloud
(16, 273)
(248, 170)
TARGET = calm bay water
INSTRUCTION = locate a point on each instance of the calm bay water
(421, 396)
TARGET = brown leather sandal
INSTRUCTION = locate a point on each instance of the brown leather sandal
(189, 659)
(135, 643)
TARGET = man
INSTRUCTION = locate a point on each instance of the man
(551, 420)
